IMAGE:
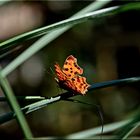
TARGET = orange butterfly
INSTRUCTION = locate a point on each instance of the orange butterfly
(69, 76)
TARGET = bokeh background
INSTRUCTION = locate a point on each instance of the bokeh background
(107, 48)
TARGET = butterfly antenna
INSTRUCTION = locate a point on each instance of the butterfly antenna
(99, 111)
(52, 71)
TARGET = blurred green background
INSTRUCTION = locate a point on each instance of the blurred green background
(106, 48)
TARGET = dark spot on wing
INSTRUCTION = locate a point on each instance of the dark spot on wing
(66, 69)
(73, 79)
(75, 72)
(78, 68)
(75, 64)
(78, 80)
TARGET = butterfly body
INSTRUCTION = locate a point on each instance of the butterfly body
(69, 76)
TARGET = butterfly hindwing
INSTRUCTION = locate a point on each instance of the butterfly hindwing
(60, 74)
(80, 84)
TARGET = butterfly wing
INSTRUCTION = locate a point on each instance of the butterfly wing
(77, 84)
(60, 74)
(71, 68)
(68, 78)
(81, 86)
(62, 79)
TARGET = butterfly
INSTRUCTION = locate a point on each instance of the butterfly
(69, 77)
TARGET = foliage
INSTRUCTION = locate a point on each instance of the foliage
(51, 32)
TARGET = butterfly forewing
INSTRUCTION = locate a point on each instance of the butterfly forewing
(71, 68)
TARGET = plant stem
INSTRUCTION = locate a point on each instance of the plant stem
(15, 106)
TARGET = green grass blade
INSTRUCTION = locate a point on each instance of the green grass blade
(30, 108)
(97, 131)
(42, 42)
(44, 102)
(127, 129)
(41, 31)
(51, 36)
(94, 86)
(4, 2)
(44, 30)
(129, 132)
(71, 21)
(130, 6)
(124, 81)
(54, 34)
(24, 98)
(15, 107)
